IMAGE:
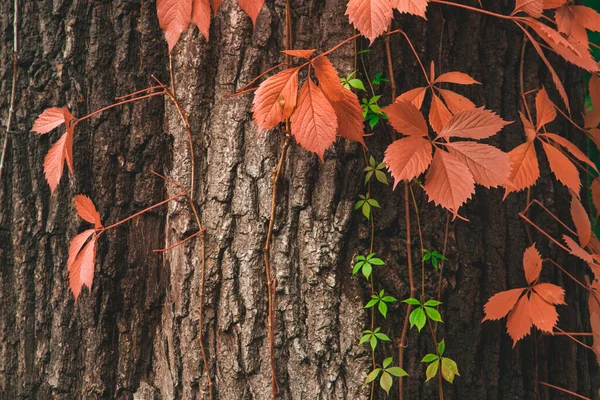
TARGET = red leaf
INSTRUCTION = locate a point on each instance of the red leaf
(174, 17)
(82, 269)
(525, 170)
(201, 16)
(456, 102)
(543, 314)
(406, 118)
(528, 127)
(414, 7)
(546, 112)
(438, 114)
(477, 123)
(581, 221)
(456, 77)
(307, 54)
(586, 17)
(531, 7)
(550, 4)
(344, 102)
(594, 306)
(87, 211)
(252, 8)
(571, 148)
(566, 24)
(54, 162)
(370, 17)
(551, 293)
(519, 322)
(275, 99)
(577, 250)
(48, 120)
(489, 166)
(314, 123)
(563, 168)
(532, 264)
(215, 4)
(592, 118)
(76, 245)
(448, 182)
(501, 303)
(408, 158)
(595, 187)
(415, 96)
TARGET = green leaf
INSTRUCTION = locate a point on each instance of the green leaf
(381, 177)
(449, 369)
(366, 209)
(383, 309)
(376, 261)
(374, 99)
(368, 176)
(357, 268)
(412, 302)
(387, 362)
(432, 303)
(441, 348)
(417, 318)
(397, 371)
(433, 314)
(372, 161)
(389, 299)
(383, 336)
(360, 258)
(365, 338)
(373, 203)
(366, 270)
(432, 369)
(357, 83)
(373, 342)
(375, 108)
(386, 382)
(359, 204)
(371, 303)
(372, 375)
(429, 358)
(373, 121)
(351, 75)
(346, 85)
(363, 51)
(438, 255)
(434, 262)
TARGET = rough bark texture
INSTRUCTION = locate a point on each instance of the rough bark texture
(135, 335)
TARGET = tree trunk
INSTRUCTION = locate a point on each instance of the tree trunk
(136, 333)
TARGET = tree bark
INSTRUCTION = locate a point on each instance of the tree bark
(136, 334)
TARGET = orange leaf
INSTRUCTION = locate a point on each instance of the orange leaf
(577, 250)
(528, 127)
(551, 293)
(550, 4)
(586, 17)
(344, 102)
(300, 53)
(594, 306)
(581, 221)
(314, 123)
(543, 314)
(415, 96)
(531, 7)
(406, 118)
(456, 77)
(407, 158)
(174, 16)
(87, 211)
(455, 102)
(568, 25)
(414, 7)
(525, 170)
(82, 269)
(571, 148)
(275, 99)
(215, 4)
(252, 8)
(595, 187)
(532, 264)
(489, 166)
(448, 182)
(201, 16)
(76, 245)
(438, 114)
(519, 322)
(562, 168)
(370, 17)
(477, 123)
(546, 112)
(55, 161)
(501, 303)
(48, 120)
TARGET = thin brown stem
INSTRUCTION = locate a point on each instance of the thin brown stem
(416, 208)
(137, 92)
(388, 52)
(416, 56)
(243, 89)
(564, 390)
(145, 210)
(567, 273)
(13, 90)
(522, 215)
(180, 242)
(268, 276)
(120, 103)
(569, 333)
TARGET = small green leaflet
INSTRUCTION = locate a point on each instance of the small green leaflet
(433, 257)
(365, 204)
(375, 169)
(386, 372)
(418, 317)
(380, 300)
(366, 264)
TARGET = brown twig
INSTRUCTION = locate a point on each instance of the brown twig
(13, 90)
(564, 390)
